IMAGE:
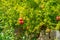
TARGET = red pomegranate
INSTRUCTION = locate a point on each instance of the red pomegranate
(21, 22)
(20, 19)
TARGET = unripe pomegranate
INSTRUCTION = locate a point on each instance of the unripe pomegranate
(42, 6)
(27, 27)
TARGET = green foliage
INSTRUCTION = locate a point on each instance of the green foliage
(34, 12)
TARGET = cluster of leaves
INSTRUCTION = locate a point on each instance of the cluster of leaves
(35, 13)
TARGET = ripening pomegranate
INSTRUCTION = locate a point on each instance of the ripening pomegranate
(58, 18)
